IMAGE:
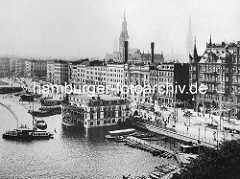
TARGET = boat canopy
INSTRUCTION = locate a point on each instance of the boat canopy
(123, 131)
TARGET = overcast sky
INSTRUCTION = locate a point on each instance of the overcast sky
(88, 27)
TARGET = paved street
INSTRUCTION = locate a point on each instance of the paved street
(23, 117)
(195, 126)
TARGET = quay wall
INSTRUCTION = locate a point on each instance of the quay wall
(171, 151)
(7, 90)
(175, 135)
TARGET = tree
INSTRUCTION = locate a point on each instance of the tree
(215, 164)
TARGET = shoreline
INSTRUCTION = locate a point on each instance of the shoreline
(20, 112)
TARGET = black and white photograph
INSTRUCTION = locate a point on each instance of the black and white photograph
(120, 89)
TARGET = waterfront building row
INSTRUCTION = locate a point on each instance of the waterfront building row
(219, 69)
(31, 68)
(114, 75)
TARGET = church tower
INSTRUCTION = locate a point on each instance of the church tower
(123, 36)
(189, 42)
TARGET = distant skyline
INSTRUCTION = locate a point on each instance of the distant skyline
(88, 28)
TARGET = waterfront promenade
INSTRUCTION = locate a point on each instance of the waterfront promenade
(19, 112)
(195, 128)
(179, 136)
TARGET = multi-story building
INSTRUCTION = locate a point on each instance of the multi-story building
(39, 69)
(57, 71)
(137, 75)
(31, 68)
(50, 71)
(4, 66)
(19, 67)
(27, 68)
(92, 73)
(168, 78)
(12, 64)
(218, 69)
(97, 111)
(111, 75)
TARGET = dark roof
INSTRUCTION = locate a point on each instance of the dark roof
(86, 63)
(96, 63)
(79, 61)
(157, 57)
(106, 103)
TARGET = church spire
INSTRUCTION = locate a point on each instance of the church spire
(195, 53)
(124, 32)
(125, 16)
(189, 42)
(124, 35)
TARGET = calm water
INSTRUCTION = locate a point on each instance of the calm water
(73, 153)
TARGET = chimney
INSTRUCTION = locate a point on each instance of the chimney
(152, 51)
(125, 52)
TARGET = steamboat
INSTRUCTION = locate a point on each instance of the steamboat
(27, 97)
(24, 133)
(46, 111)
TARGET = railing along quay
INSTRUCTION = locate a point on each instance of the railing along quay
(179, 136)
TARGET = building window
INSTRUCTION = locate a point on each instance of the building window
(91, 123)
(98, 113)
(120, 111)
(113, 112)
(98, 122)
(91, 113)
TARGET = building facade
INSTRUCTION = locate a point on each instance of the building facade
(38, 69)
(31, 68)
(27, 69)
(84, 73)
(219, 69)
(172, 81)
(97, 111)
(136, 75)
(57, 72)
(4, 66)
(19, 67)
